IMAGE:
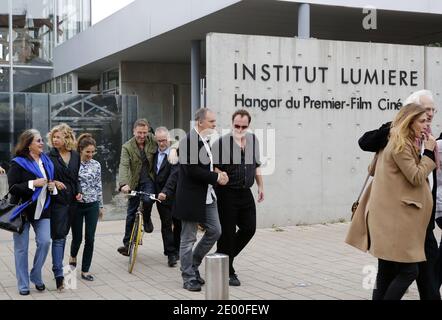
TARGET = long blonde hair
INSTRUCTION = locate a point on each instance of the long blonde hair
(69, 136)
(401, 128)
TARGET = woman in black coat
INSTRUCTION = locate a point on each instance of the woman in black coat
(30, 178)
(67, 165)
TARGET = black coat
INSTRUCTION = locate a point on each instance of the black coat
(64, 206)
(166, 179)
(375, 141)
(18, 180)
(193, 179)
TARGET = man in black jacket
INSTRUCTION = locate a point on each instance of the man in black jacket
(376, 140)
(195, 198)
(165, 179)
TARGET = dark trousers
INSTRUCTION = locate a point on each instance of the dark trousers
(132, 207)
(236, 208)
(170, 245)
(428, 279)
(393, 279)
(89, 213)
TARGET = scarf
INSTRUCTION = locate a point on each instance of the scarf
(32, 167)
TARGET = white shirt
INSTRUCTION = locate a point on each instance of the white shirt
(44, 191)
(210, 190)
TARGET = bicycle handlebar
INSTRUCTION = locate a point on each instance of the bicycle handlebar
(152, 196)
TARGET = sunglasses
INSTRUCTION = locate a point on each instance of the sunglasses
(39, 141)
(237, 126)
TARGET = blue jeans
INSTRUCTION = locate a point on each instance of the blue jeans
(191, 258)
(132, 207)
(21, 243)
(57, 256)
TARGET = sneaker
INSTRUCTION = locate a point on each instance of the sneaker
(124, 250)
(192, 285)
(148, 226)
(198, 278)
(171, 260)
(234, 281)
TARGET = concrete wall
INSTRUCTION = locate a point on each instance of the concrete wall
(317, 168)
(163, 91)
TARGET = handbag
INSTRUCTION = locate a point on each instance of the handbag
(371, 170)
(355, 204)
(7, 208)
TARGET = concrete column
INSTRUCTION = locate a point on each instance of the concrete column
(304, 20)
(195, 76)
(74, 80)
(11, 81)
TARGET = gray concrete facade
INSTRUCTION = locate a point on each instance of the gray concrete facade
(314, 168)
(162, 90)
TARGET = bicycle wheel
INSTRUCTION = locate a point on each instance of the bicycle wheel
(134, 242)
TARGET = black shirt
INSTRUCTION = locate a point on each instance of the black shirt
(144, 175)
(239, 164)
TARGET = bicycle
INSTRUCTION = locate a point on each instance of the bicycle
(136, 237)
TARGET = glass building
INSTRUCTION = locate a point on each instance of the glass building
(30, 96)
(29, 31)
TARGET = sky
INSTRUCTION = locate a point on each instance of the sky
(104, 8)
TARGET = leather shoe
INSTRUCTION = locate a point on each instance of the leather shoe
(124, 250)
(198, 278)
(87, 277)
(24, 292)
(192, 285)
(171, 260)
(148, 226)
(234, 281)
(73, 262)
(59, 281)
(41, 287)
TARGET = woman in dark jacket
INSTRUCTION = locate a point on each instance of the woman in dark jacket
(67, 164)
(30, 179)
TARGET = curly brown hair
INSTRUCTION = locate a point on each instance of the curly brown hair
(69, 136)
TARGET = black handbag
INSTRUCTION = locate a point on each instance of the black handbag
(6, 210)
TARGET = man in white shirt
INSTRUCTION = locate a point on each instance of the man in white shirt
(195, 198)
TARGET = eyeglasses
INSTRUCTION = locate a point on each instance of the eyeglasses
(39, 141)
(237, 126)
(431, 110)
(164, 140)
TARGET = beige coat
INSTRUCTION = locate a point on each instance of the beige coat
(400, 205)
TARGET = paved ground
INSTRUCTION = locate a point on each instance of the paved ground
(295, 263)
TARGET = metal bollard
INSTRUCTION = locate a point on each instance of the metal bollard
(3, 185)
(217, 277)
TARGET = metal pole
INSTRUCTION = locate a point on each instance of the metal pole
(304, 21)
(11, 83)
(217, 276)
(195, 62)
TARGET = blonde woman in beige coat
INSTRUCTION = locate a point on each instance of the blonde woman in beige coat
(400, 203)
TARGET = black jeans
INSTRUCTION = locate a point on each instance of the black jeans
(393, 279)
(132, 207)
(236, 207)
(171, 247)
(428, 279)
(88, 212)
